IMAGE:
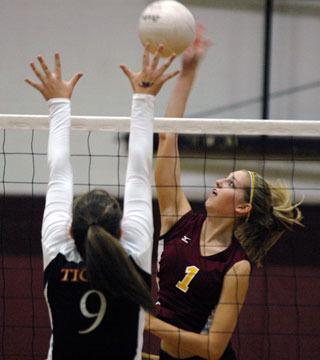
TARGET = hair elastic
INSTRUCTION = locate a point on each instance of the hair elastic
(252, 175)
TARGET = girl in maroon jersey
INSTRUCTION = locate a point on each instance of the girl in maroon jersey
(206, 262)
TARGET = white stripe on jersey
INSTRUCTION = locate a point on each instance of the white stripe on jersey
(140, 334)
(49, 357)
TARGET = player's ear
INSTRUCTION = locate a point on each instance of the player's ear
(243, 209)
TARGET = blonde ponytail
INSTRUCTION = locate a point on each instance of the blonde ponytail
(273, 213)
(287, 213)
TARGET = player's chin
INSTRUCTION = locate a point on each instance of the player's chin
(208, 202)
(210, 205)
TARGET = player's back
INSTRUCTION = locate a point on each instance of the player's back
(87, 324)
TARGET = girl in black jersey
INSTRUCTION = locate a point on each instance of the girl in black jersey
(97, 262)
(205, 265)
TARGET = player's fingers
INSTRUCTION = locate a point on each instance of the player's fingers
(170, 76)
(127, 71)
(44, 66)
(207, 43)
(200, 29)
(75, 79)
(156, 57)
(165, 66)
(33, 84)
(57, 62)
(146, 56)
(37, 72)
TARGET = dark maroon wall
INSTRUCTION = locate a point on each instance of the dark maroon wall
(280, 320)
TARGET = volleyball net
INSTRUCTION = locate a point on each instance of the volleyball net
(279, 319)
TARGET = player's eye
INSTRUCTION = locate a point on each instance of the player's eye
(231, 183)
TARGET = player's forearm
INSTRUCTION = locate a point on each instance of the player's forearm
(167, 168)
(141, 136)
(181, 340)
(168, 176)
(180, 94)
(137, 222)
(56, 218)
(59, 137)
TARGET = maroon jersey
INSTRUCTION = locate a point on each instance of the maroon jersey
(190, 284)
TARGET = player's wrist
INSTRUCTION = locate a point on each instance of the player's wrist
(188, 72)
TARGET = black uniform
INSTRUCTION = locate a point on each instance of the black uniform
(86, 324)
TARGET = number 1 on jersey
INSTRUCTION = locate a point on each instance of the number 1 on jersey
(191, 272)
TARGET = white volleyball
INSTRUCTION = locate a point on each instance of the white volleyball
(167, 22)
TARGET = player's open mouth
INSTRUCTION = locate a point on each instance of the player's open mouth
(214, 192)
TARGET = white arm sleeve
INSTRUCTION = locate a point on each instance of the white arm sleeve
(57, 213)
(137, 222)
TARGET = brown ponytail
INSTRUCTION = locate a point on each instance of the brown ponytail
(96, 229)
(110, 270)
(273, 213)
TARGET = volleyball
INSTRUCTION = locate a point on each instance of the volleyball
(167, 22)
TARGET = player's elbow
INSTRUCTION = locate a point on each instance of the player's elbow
(141, 163)
(214, 355)
(216, 351)
(59, 161)
(163, 136)
(167, 137)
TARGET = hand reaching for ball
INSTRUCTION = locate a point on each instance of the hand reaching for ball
(152, 76)
(195, 53)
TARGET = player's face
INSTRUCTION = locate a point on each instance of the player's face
(227, 197)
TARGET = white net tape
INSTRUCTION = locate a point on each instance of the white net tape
(173, 125)
(99, 153)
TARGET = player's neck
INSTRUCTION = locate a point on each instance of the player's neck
(216, 235)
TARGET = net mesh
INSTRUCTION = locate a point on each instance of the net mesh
(281, 312)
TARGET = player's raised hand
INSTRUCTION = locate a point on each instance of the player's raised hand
(195, 53)
(51, 84)
(152, 76)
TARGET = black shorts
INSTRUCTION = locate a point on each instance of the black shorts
(229, 354)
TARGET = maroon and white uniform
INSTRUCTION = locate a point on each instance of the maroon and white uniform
(190, 284)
